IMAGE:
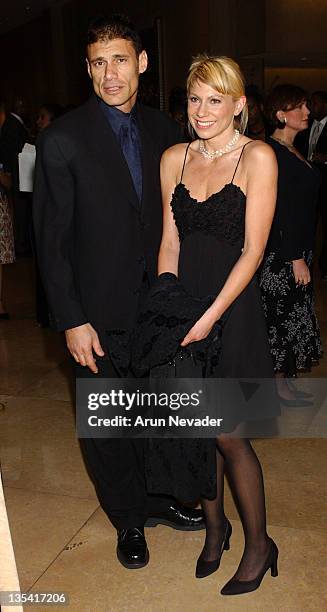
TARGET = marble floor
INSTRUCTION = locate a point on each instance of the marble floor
(64, 542)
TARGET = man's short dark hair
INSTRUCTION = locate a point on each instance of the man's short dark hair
(321, 95)
(54, 110)
(106, 28)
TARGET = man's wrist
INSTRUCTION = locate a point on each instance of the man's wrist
(73, 327)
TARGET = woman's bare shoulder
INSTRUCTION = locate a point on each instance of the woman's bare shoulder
(258, 151)
(175, 154)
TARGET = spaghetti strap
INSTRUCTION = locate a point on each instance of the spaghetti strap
(239, 159)
(186, 152)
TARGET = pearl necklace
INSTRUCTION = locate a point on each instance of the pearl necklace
(219, 152)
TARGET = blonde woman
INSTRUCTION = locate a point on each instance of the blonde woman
(219, 196)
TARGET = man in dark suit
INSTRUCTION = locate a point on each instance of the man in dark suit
(12, 139)
(313, 144)
(97, 210)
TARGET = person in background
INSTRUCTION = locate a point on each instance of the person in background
(7, 251)
(2, 114)
(313, 145)
(47, 114)
(178, 108)
(13, 137)
(256, 127)
(286, 276)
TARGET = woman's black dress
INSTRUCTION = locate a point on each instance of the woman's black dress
(289, 308)
(211, 240)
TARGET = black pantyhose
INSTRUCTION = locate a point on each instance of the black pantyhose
(237, 458)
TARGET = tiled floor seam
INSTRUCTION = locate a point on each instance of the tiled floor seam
(32, 490)
(61, 550)
(55, 367)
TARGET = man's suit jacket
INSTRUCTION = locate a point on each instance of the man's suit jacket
(302, 141)
(94, 239)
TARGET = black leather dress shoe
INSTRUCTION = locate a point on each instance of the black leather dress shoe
(295, 403)
(132, 551)
(177, 517)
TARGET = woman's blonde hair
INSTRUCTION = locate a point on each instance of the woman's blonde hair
(224, 75)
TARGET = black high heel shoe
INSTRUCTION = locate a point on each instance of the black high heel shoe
(205, 568)
(237, 587)
(295, 403)
(300, 394)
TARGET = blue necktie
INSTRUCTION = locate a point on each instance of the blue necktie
(129, 142)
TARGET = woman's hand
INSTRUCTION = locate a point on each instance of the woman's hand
(301, 272)
(201, 329)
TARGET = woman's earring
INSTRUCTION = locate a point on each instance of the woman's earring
(281, 123)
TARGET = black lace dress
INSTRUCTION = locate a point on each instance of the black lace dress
(211, 239)
(289, 308)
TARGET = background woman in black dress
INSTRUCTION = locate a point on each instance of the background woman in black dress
(218, 211)
(286, 276)
(7, 251)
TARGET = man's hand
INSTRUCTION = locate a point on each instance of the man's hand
(301, 272)
(80, 342)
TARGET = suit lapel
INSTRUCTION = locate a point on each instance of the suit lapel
(322, 140)
(105, 147)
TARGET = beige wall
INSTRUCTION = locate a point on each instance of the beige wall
(185, 28)
(310, 79)
(186, 34)
(296, 43)
(26, 67)
(296, 26)
(251, 27)
(48, 53)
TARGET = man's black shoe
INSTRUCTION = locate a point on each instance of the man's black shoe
(177, 517)
(132, 551)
